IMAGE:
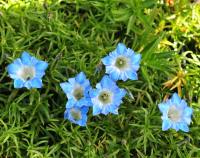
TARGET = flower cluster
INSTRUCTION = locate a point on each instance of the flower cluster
(121, 64)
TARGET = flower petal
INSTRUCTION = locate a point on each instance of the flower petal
(166, 125)
(107, 60)
(184, 127)
(132, 75)
(96, 110)
(121, 48)
(163, 107)
(80, 78)
(66, 87)
(36, 83)
(176, 99)
(18, 83)
(26, 58)
(41, 66)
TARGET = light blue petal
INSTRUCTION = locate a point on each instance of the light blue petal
(123, 76)
(175, 126)
(41, 66)
(96, 110)
(66, 87)
(112, 109)
(72, 81)
(93, 93)
(36, 83)
(105, 110)
(26, 58)
(82, 102)
(135, 59)
(182, 104)
(132, 75)
(83, 121)
(107, 82)
(121, 48)
(110, 69)
(176, 99)
(18, 83)
(66, 114)
(107, 60)
(70, 103)
(80, 78)
(84, 110)
(39, 74)
(27, 84)
(12, 68)
(163, 107)
(184, 127)
(188, 111)
(115, 75)
(187, 119)
(15, 66)
(122, 92)
(166, 125)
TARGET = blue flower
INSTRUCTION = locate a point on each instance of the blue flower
(27, 71)
(176, 114)
(77, 91)
(122, 63)
(77, 115)
(106, 97)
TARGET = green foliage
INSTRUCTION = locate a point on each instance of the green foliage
(73, 36)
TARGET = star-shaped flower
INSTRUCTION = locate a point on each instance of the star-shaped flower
(27, 71)
(77, 91)
(122, 63)
(176, 114)
(77, 115)
(107, 97)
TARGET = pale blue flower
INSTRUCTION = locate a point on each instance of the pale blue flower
(175, 114)
(27, 71)
(107, 97)
(77, 91)
(122, 64)
(77, 115)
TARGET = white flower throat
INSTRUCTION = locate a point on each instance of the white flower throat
(78, 93)
(122, 63)
(105, 97)
(174, 113)
(26, 72)
(76, 114)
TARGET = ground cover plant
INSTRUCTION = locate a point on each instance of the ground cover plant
(73, 37)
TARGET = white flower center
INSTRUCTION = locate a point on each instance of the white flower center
(122, 63)
(105, 97)
(76, 114)
(174, 114)
(78, 93)
(26, 72)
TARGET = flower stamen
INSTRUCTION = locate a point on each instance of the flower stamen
(76, 114)
(105, 97)
(174, 114)
(26, 73)
(78, 93)
(121, 63)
